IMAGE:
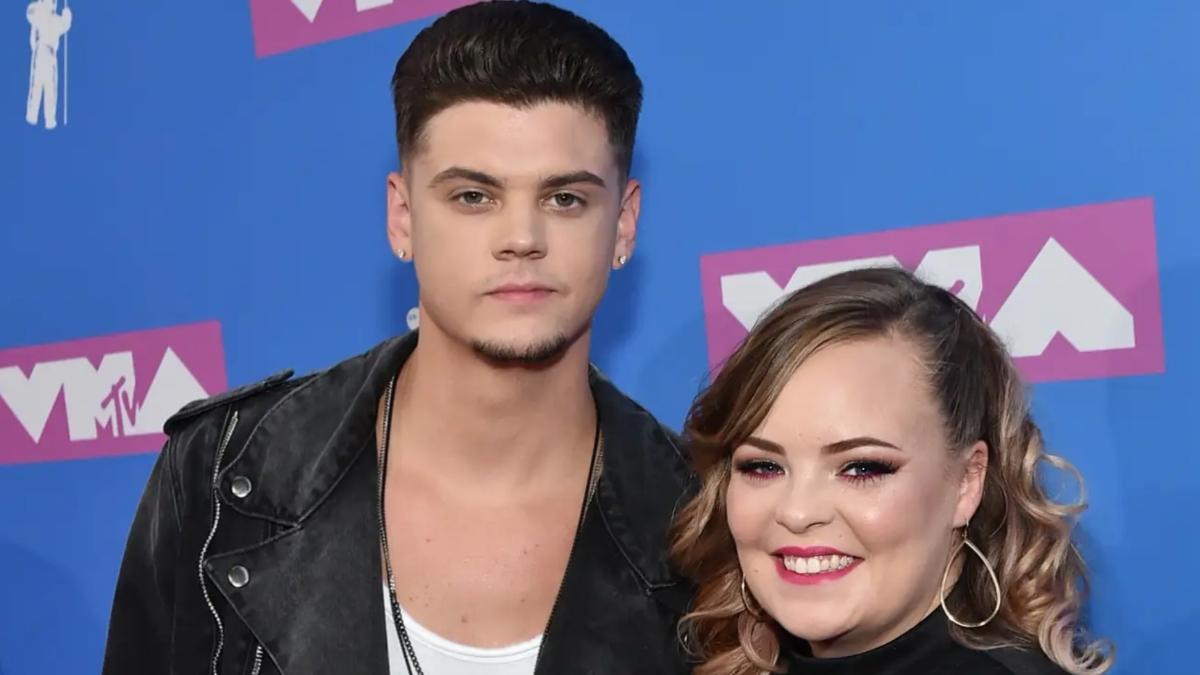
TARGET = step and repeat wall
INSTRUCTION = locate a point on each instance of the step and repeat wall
(193, 198)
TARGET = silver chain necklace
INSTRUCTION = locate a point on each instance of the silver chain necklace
(411, 665)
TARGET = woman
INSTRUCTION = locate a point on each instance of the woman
(870, 500)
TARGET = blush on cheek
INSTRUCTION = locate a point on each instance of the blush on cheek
(894, 514)
(901, 528)
(749, 513)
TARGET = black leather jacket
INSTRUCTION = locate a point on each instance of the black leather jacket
(254, 548)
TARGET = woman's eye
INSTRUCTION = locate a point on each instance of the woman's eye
(759, 468)
(864, 470)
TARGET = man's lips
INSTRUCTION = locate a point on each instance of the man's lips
(521, 292)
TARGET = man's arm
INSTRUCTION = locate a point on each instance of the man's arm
(142, 622)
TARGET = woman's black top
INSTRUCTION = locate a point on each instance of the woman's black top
(927, 649)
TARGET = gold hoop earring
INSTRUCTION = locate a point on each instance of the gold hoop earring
(754, 613)
(991, 573)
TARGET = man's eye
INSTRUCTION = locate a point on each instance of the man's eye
(471, 198)
(566, 200)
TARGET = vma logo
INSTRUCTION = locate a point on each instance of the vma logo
(1073, 292)
(284, 25)
(104, 396)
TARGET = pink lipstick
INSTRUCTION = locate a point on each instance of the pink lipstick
(809, 565)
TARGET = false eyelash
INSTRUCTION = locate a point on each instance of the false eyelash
(878, 469)
(759, 469)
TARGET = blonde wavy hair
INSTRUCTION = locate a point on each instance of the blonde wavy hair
(1025, 535)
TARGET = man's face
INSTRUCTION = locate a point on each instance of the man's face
(513, 218)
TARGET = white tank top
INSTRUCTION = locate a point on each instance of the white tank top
(439, 656)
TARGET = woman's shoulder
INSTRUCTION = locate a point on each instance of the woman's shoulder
(1014, 661)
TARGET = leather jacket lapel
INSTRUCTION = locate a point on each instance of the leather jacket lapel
(313, 598)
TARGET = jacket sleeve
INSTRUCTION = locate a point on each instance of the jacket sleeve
(141, 625)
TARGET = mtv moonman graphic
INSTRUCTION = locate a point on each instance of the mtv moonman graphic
(46, 27)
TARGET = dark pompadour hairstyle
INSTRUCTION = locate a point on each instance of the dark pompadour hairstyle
(517, 53)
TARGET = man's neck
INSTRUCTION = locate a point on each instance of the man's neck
(504, 426)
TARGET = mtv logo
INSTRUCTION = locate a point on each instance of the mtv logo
(1073, 292)
(284, 25)
(104, 396)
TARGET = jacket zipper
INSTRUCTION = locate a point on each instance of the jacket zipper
(258, 659)
(233, 420)
(593, 481)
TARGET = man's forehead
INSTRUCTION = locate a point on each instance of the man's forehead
(544, 138)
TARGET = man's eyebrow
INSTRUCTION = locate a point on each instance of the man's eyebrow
(565, 179)
(458, 172)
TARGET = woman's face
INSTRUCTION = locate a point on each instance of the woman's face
(844, 502)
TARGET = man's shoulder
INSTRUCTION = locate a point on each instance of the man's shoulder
(647, 477)
(258, 397)
(202, 410)
(196, 431)
(621, 412)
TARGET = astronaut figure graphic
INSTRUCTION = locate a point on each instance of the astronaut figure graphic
(46, 27)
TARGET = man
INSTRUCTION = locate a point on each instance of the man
(46, 28)
(525, 501)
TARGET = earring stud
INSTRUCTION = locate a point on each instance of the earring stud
(621, 260)
(401, 254)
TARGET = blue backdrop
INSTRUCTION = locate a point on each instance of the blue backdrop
(195, 181)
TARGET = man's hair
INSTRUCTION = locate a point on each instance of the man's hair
(516, 53)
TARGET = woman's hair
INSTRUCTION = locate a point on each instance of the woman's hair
(1024, 534)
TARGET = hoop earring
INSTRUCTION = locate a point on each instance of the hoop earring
(991, 573)
(754, 613)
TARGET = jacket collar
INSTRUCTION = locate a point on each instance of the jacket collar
(306, 442)
(645, 481)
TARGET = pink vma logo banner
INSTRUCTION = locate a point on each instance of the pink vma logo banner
(1073, 292)
(283, 25)
(104, 396)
